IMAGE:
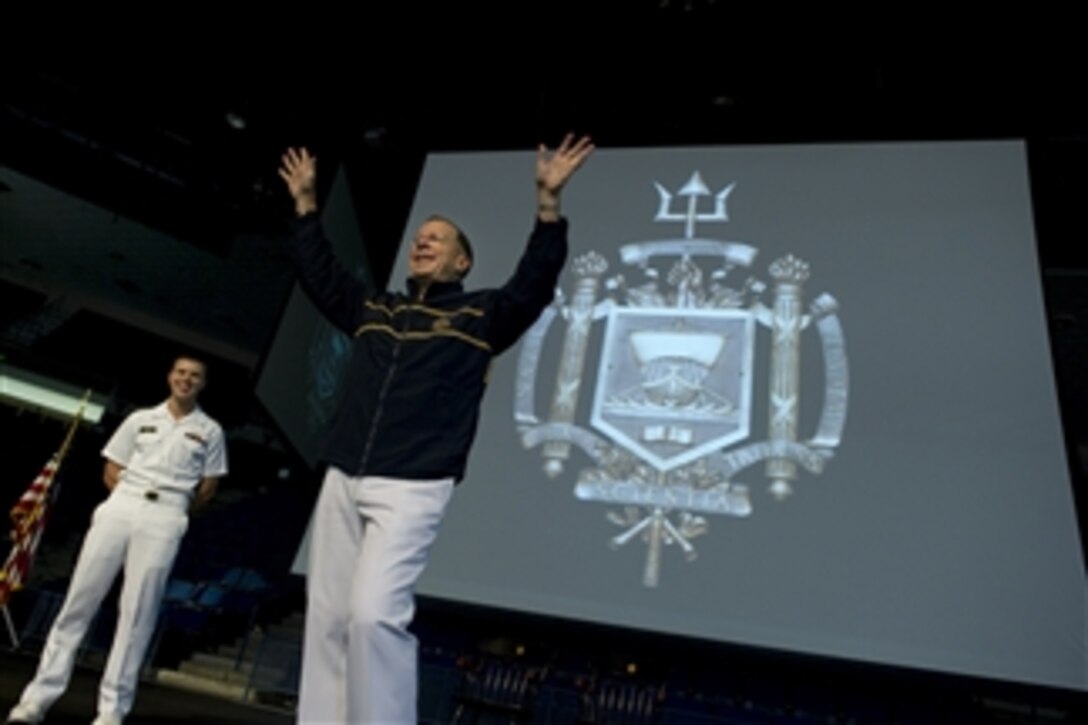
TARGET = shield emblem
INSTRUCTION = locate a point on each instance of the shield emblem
(675, 384)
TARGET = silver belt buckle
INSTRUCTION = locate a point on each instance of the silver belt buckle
(151, 495)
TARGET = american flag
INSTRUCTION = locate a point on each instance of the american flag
(28, 516)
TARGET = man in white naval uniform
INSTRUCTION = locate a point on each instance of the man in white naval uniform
(160, 463)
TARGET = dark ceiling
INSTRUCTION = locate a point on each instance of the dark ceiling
(184, 135)
(184, 138)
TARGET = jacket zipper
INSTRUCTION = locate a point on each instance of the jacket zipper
(380, 405)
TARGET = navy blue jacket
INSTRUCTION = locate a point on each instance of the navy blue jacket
(419, 364)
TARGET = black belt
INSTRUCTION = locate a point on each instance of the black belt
(153, 494)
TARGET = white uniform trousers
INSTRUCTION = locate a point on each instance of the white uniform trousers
(143, 536)
(369, 545)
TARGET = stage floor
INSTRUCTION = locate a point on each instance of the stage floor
(154, 703)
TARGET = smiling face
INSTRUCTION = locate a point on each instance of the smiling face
(186, 380)
(436, 254)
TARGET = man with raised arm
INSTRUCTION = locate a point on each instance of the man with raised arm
(402, 433)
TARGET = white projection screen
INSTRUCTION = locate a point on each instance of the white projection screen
(796, 397)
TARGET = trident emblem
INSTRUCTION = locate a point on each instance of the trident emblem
(692, 190)
(670, 424)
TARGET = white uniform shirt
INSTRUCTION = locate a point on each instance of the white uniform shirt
(159, 451)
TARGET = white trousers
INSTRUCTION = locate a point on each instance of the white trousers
(369, 545)
(141, 536)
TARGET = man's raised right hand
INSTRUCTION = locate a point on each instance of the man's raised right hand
(299, 171)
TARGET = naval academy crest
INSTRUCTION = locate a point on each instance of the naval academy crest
(669, 436)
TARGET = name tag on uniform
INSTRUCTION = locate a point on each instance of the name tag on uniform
(195, 437)
(147, 429)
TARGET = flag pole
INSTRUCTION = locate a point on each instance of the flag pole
(12, 635)
(60, 455)
(73, 426)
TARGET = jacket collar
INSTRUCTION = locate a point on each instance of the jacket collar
(434, 289)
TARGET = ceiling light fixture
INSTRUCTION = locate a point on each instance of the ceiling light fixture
(25, 389)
